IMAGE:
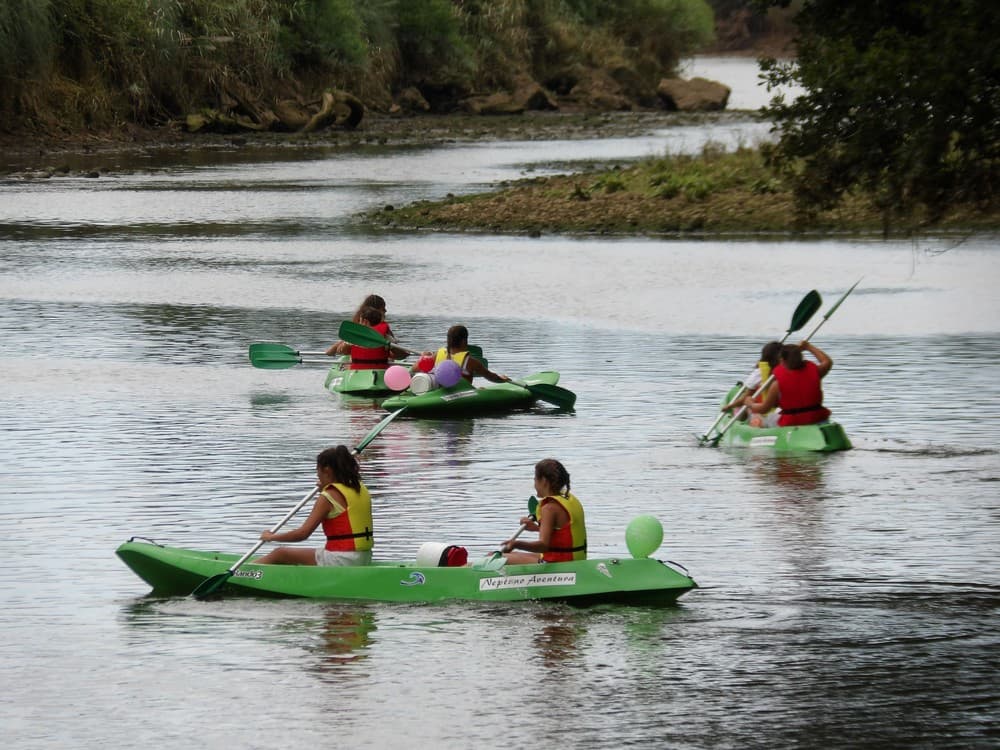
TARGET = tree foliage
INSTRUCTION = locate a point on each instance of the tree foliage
(902, 101)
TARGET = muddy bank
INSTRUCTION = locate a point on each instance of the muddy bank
(110, 153)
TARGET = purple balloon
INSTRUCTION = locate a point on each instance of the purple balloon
(448, 373)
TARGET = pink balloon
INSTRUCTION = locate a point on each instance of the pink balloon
(448, 373)
(397, 378)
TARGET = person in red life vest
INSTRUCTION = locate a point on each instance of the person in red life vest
(344, 509)
(374, 300)
(368, 357)
(797, 389)
(458, 350)
(559, 521)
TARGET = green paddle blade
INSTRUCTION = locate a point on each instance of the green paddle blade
(806, 309)
(273, 356)
(359, 335)
(210, 585)
(552, 394)
(532, 505)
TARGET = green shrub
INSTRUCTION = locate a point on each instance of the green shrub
(323, 33)
(431, 45)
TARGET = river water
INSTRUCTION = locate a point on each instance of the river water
(846, 600)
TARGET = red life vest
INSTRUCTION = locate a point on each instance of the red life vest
(801, 395)
(371, 357)
(569, 542)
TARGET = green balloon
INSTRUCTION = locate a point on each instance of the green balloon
(643, 535)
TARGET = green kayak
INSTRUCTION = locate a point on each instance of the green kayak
(823, 437)
(171, 571)
(464, 399)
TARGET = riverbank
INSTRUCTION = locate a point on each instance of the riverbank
(710, 194)
(38, 154)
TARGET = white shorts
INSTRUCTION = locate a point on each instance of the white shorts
(326, 558)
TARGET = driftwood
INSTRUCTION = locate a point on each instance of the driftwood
(334, 108)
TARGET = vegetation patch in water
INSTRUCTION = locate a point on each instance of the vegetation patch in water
(715, 192)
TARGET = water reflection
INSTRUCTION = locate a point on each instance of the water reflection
(788, 477)
(556, 636)
(344, 637)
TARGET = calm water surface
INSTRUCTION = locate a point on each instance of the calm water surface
(846, 600)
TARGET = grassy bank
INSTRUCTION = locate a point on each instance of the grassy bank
(712, 193)
(71, 66)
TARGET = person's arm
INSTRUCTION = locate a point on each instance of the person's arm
(340, 347)
(320, 511)
(769, 402)
(823, 361)
(738, 400)
(550, 515)
(478, 368)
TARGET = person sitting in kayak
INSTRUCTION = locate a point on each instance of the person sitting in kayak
(343, 508)
(368, 357)
(374, 300)
(797, 389)
(559, 521)
(769, 357)
(458, 350)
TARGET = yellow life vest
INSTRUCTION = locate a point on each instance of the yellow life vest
(353, 529)
(442, 355)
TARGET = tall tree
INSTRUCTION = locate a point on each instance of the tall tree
(902, 101)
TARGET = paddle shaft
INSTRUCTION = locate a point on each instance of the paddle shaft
(532, 507)
(764, 386)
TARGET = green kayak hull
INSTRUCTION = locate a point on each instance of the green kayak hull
(341, 379)
(172, 571)
(824, 437)
(464, 399)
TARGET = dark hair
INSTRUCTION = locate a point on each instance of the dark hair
(554, 473)
(372, 300)
(343, 463)
(770, 353)
(457, 336)
(370, 315)
(791, 357)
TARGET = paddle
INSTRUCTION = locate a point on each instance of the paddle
(210, 585)
(496, 560)
(279, 357)
(553, 394)
(805, 310)
(359, 335)
(766, 383)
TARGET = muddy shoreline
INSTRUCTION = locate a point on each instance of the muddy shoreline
(105, 153)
